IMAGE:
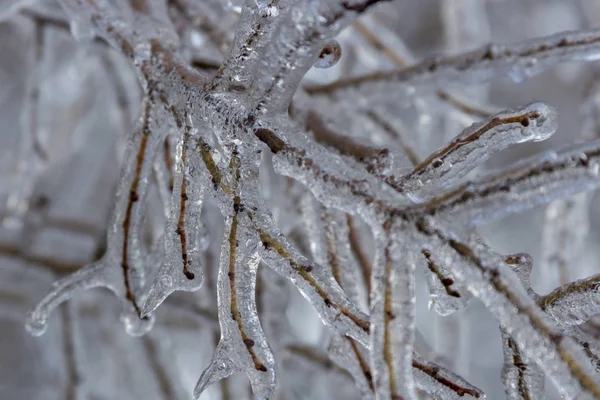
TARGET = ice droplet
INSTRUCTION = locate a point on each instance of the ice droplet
(36, 325)
(268, 10)
(330, 55)
(134, 325)
(543, 124)
(82, 30)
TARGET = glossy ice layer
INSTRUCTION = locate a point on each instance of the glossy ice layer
(268, 171)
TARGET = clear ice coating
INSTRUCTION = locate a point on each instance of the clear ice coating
(243, 345)
(258, 179)
(185, 237)
(481, 140)
(522, 378)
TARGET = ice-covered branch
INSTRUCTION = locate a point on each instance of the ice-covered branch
(441, 383)
(258, 22)
(375, 160)
(185, 240)
(573, 303)
(478, 142)
(315, 282)
(121, 268)
(446, 295)
(522, 379)
(500, 289)
(430, 378)
(518, 61)
(392, 316)
(243, 345)
(328, 230)
(359, 252)
(317, 168)
(401, 59)
(530, 183)
(32, 155)
(295, 51)
(201, 141)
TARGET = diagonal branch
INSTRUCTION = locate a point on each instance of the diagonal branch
(486, 276)
(456, 102)
(519, 61)
(478, 142)
(530, 183)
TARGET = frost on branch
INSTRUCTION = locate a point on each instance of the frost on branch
(246, 157)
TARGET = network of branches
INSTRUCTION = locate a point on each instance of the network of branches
(324, 184)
